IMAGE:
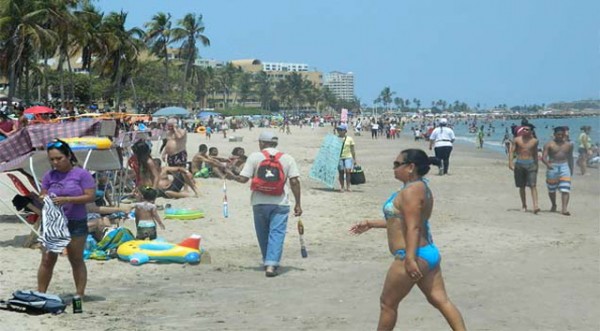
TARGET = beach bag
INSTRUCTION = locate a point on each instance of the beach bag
(34, 302)
(269, 178)
(357, 176)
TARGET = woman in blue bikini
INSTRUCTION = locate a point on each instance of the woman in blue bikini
(417, 259)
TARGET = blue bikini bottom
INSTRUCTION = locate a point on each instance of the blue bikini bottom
(429, 253)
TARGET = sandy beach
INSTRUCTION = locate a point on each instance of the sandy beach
(504, 268)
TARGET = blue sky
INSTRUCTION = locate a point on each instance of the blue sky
(478, 51)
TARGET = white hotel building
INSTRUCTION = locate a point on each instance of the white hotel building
(341, 84)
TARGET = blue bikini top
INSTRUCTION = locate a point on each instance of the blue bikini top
(390, 211)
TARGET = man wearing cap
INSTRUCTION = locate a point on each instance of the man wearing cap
(525, 167)
(558, 157)
(441, 140)
(271, 211)
(347, 157)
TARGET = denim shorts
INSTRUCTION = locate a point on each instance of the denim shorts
(78, 228)
(345, 164)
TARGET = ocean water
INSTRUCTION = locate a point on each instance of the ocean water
(543, 130)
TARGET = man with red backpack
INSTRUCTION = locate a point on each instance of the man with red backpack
(269, 170)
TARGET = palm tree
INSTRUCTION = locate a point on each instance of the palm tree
(158, 38)
(296, 86)
(189, 30)
(386, 96)
(245, 86)
(123, 49)
(89, 38)
(22, 30)
(264, 89)
(226, 78)
(399, 102)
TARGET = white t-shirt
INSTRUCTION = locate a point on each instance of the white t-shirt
(442, 136)
(290, 168)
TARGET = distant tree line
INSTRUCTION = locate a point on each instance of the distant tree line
(34, 32)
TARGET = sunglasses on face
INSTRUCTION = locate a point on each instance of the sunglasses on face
(399, 164)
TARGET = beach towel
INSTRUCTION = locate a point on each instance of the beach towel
(55, 233)
(106, 248)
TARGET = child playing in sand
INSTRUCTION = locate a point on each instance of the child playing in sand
(146, 216)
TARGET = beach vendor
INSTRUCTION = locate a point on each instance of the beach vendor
(270, 202)
(174, 153)
(71, 187)
(416, 258)
(558, 157)
(347, 157)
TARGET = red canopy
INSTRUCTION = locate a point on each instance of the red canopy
(39, 110)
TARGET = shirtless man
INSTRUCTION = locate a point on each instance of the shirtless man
(174, 153)
(558, 157)
(199, 160)
(172, 180)
(525, 167)
(216, 163)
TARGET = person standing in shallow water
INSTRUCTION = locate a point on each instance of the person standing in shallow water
(416, 257)
(585, 148)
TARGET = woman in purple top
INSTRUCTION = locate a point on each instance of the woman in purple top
(71, 187)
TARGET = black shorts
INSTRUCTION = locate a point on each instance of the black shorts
(176, 185)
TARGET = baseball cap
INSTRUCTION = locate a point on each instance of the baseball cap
(443, 121)
(268, 136)
(342, 127)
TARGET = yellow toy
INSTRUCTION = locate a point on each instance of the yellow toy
(138, 252)
(77, 143)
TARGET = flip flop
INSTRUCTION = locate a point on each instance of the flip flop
(566, 213)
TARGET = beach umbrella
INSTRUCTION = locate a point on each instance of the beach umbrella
(39, 110)
(172, 111)
(207, 114)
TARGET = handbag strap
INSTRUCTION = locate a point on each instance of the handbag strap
(343, 144)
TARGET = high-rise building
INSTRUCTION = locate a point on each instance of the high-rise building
(341, 84)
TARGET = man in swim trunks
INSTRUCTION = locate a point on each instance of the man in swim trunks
(173, 180)
(525, 167)
(558, 157)
(174, 152)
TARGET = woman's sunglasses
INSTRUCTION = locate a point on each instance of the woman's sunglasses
(55, 144)
(399, 164)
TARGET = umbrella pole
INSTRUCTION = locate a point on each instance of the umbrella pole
(35, 179)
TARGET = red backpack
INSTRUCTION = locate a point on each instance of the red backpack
(270, 178)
